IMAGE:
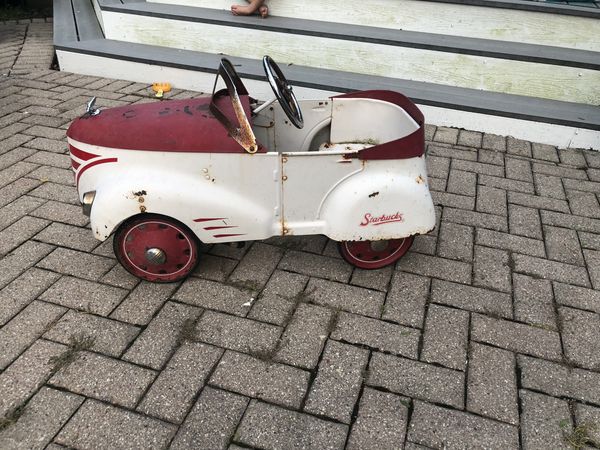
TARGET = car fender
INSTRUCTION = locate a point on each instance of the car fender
(386, 200)
(201, 205)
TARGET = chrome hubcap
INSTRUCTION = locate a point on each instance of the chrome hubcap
(156, 256)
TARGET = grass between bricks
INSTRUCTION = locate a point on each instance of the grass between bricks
(580, 436)
(77, 344)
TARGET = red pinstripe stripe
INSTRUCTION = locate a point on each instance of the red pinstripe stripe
(92, 164)
(80, 154)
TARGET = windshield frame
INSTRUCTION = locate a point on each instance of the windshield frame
(243, 134)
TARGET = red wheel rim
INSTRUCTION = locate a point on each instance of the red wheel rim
(374, 254)
(156, 249)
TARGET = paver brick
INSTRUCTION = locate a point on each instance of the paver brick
(69, 236)
(262, 379)
(438, 427)
(104, 378)
(372, 279)
(476, 219)
(578, 223)
(453, 200)
(377, 334)
(303, 340)
(541, 421)
(157, 342)
(214, 268)
(559, 380)
(70, 262)
(316, 265)
(580, 332)
(572, 157)
(247, 270)
(446, 135)
(16, 189)
(84, 295)
(19, 232)
(417, 379)
(381, 421)
(491, 200)
(472, 298)
(272, 427)
(461, 182)
(577, 297)
(552, 270)
(57, 160)
(592, 259)
(438, 167)
(488, 156)
(533, 301)
(143, 302)
(534, 201)
(518, 147)
(547, 186)
(452, 152)
(524, 221)
(582, 185)
(110, 337)
(494, 142)
(516, 337)
(583, 204)
(518, 169)
(349, 298)
(24, 377)
(492, 384)
(212, 421)
(406, 299)
(445, 338)
(477, 167)
(21, 259)
(336, 388)
(589, 240)
(431, 266)
(172, 394)
(15, 172)
(12, 212)
(545, 152)
(25, 328)
(236, 333)
(455, 242)
(43, 417)
(491, 269)
(563, 245)
(213, 295)
(21, 291)
(506, 184)
(510, 242)
(97, 425)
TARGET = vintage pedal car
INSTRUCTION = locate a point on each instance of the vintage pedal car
(165, 176)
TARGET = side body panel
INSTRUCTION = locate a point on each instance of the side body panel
(221, 197)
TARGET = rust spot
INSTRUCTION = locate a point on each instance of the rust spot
(138, 193)
(142, 208)
(141, 199)
(374, 194)
(420, 180)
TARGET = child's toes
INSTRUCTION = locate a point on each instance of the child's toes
(264, 11)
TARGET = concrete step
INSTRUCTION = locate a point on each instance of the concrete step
(559, 122)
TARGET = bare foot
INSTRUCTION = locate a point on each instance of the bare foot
(241, 10)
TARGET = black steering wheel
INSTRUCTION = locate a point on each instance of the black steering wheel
(283, 91)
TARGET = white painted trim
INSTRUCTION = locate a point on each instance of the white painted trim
(548, 81)
(561, 136)
(433, 17)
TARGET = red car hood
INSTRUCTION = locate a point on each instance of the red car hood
(168, 126)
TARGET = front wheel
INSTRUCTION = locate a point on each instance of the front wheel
(374, 254)
(156, 248)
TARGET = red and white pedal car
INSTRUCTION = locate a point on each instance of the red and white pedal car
(165, 176)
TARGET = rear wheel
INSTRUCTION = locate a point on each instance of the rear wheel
(374, 254)
(156, 248)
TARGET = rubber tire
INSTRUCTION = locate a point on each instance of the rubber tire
(129, 265)
(354, 260)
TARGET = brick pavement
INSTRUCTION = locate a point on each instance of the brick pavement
(486, 335)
